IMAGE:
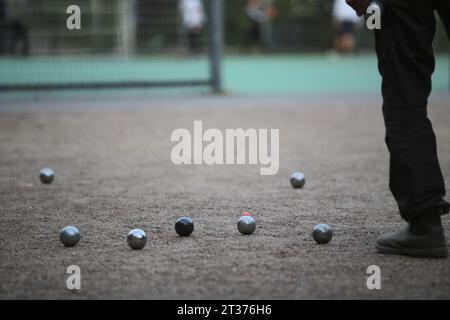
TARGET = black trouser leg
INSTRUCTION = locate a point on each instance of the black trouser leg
(253, 35)
(19, 36)
(3, 37)
(15, 37)
(26, 41)
(196, 43)
(406, 63)
(191, 40)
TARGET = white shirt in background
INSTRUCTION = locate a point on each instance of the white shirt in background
(193, 13)
(343, 12)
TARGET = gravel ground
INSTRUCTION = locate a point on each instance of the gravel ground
(114, 173)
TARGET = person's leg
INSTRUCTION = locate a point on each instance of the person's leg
(348, 37)
(196, 41)
(3, 27)
(14, 37)
(25, 40)
(3, 37)
(20, 38)
(252, 36)
(406, 63)
(191, 45)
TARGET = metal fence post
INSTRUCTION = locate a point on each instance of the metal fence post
(216, 38)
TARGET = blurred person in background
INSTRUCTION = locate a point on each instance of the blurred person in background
(267, 27)
(194, 19)
(3, 26)
(259, 14)
(404, 46)
(346, 23)
(18, 27)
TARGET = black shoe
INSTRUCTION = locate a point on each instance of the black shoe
(424, 238)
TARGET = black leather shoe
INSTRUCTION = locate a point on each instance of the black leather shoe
(423, 238)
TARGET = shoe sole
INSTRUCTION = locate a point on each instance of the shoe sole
(436, 253)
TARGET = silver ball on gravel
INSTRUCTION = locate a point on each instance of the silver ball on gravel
(69, 236)
(137, 239)
(298, 180)
(47, 175)
(322, 233)
(184, 226)
(246, 225)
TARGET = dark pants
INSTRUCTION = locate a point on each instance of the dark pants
(3, 26)
(406, 63)
(253, 35)
(19, 35)
(194, 41)
(3, 37)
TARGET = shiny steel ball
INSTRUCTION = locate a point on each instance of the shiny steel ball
(246, 225)
(322, 233)
(69, 236)
(298, 180)
(137, 239)
(46, 175)
(184, 226)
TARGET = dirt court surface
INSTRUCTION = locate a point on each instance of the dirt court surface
(114, 173)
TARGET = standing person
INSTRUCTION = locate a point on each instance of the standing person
(406, 63)
(346, 23)
(267, 27)
(258, 14)
(3, 26)
(194, 19)
(18, 26)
